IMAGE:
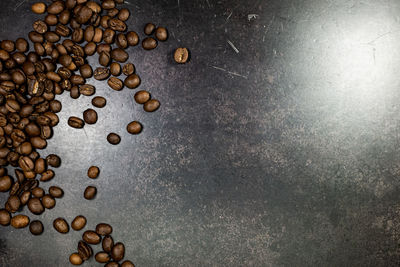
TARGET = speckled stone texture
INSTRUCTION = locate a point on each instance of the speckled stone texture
(284, 152)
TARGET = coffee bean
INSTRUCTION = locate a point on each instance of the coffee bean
(142, 97)
(134, 127)
(40, 166)
(118, 251)
(107, 243)
(39, 8)
(75, 259)
(161, 34)
(90, 48)
(102, 257)
(132, 38)
(5, 217)
(93, 172)
(84, 250)
(86, 71)
(112, 264)
(38, 192)
(5, 183)
(40, 26)
(48, 202)
(84, 14)
(96, 8)
(113, 138)
(151, 105)
(76, 122)
(115, 69)
(56, 7)
(181, 55)
(149, 28)
(26, 164)
(132, 81)
(108, 4)
(90, 116)
(64, 17)
(104, 58)
(91, 237)
(101, 73)
(90, 192)
(25, 196)
(51, 20)
(20, 221)
(121, 41)
(47, 176)
(78, 223)
(117, 25)
(56, 192)
(22, 45)
(103, 229)
(36, 227)
(98, 35)
(77, 80)
(112, 12)
(53, 160)
(103, 48)
(115, 84)
(119, 55)
(61, 225)
(123, 14)
(127, 263)
(35, 206)
(52, 37)
(87, 89)
(128, 69)
(14, 203)
(99, 102)
(109, 36)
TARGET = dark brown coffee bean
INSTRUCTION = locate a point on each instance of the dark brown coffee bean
(102, 257)
(40, 26)
(103, 48)
(122, 42)
(161, 34)
(104, 229)
(107, 243)
(142, 97)
(38, 142)
(26, 164)
(21, 45)
(55, 106)
(115, 69)
(19, 57)
(47, 176)
(56, 192)
(53, 160)
(118, 251)
(89, 33)
(75, 259)
(132, 81)
(12, 105)
(86, 71)
(5, 217)
(128, 69)
(61, 225)
(48, 202)
(52, 37)
(36, 227)
(101, 73)
(109, 36)
(5, 183)
(149, 28)
(149, 43)
(77, 35)
(78, 223)
(20, 221)
(132, 38)
(38, 8)
(36, 37)
(8, 45)
(74, 93)
(39, 49)
(14, 203)
(181, 55)
(84, 250)
(99, 102)
(104, 58)
(90, 116)
(112, 264)
(84, 15)
(91, 237)
(35, 206)
(90, 48)
(76, 122)
(64, 17)
(104, 21)
(96, 8)
(25, 196)
(87, 89)
(113, 138)
(115, 84)
(65, 60)
(93, 172)
(108, 4)
(38, 192)
(98, 35)
(51, 20)
(127, 264)
(56, 7)
(119, 55)
(134, 127)
(112, 12)
(90, 192)
(63, 31)
(117, 25)
(151, 105)
(123, 14)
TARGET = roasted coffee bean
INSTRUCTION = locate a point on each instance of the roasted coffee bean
(132, 81)
(35, 206)
(90, 116)
(151, 105)
(48, 202)
(113, 138)
(38, 192)
(112, 264)
(56, 191)
(112, 12)
(134, 127)
(38, 142)
(181, 55)
(51, 20)
(102, 257)
(91, 237)
(123, 14)
(25, 196)
(118, 251)
(117, 25)
(89, 33)
(20, 221)
(128, 69)
(26, 164)
(53, 160)
(74, 93)
(12, 105)
(98, 35)
(8, 45)
(87, 89)
(109, 36)
(84, 15)
(108, 4)
(104, 58)
(25, 148)
(47, 176)
(65, 60)
(8, 86)
(52, 37)
(149, 28)
(40, 26)
(56, 7)
(119, 55)
(101, 73)
(77, 80)
(39, 49)
(132, 38)
(78, 223)
(14, 203)
(64, 17)
(5, 217)
(64, 72)
(103, 229)
(63, 31)
(122, 42)
(5, 183)
(103, 48)
(90, 48)
(32, 129)
(115, 69)
(39, 8)
(75, 259)
(142, 97)
(104, 21)
(55, 106)
(77, 35)
(127, 264)
(36, 227)
(107, 243)
(76, 122)
(90, 192)
(161, 34)
(19, 57)
(96, 8)
(99, 102)
(61, 225)
(149, 43)
(115, 84)
(84, 250)
(93, 172)
(86, 71)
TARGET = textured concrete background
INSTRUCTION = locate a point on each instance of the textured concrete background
(284, 154)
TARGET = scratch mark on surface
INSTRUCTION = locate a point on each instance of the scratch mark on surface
(179, 4)
(268, 27)
(19, 4)
(230, 72)
(208, 3)
(252, 16)
(233, 46)
(85, 133)
(229, 16)
(381, 36)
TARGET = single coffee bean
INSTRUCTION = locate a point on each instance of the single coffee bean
(86, 71)
(22, 45)
(118, 251)
(84, 250)
(78, 223)
(104, 21)
(56, 192)
(90, 48)
(99, 102)
(64, 17)
(52, 37)
(56, 7)
(149, 28)
(38, 192)
(25, 196)
(107, 243)
(55, 106)
(108, 4)
(98, 35)
(76, 122)
(124, 14)
(75, 259)
(113, 138)
(5, 217)
(115, 69)
(103, 48)
(127, 263)
(122, 42)
(20, 221)
(40, 26)
(87, 89)
(109, 36)
(132, 81)
(149, 43)
(90, 116)
(91, 237)
(101, 73)
(104, 58)
(51, 20)
(39, 8)
(40, 166)
(102, 257)
(61, 225)
(103, 229)
(115, 84)
(134, 127)
(161, 34)
(117, 25)
(112, 12)
(128, 69)
(142, 97)
(47, 176)
(48, 202)
(35, 206)
(77, 80)
(26, 164)
(5, 183)
(53, 160)
(93, 172)
(36, 227)
(89, 33)
(132, 38)
(96, 8)
(112, 264)
(90, 192)
(151, 105)
(181, 55)
(14, 203)
(119, 55)
(84, 14)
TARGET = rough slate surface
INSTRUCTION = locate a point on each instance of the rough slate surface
(283, 154)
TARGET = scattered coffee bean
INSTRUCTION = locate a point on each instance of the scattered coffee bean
(36, 227)
(149, 43)
(90, 192)
(84, 250)
(53, 160)
(113, 138)
(181, 55)
(40, 26)
(132, 81)
(107, 244)
(91, 237)
(118, 251)
(56, 192)
(48, 202)
(87, 90)
(93, 172)
(5, 183)
(123, 14)
(101, 73)
(20, 221)
(102, 257)
(141, 97)
(78, 223)
(161, 34)
(90, 116)
(119, 55)
(35, 206)
(132, 38)
(76, 122)
(5, 217)
(149, 28)
(39, 8)
(61, 225)
(115, 69)
(134, 127)
(99, 102)
(103, 229)
(47, 176)
(151, 105)
(112, 264)
(128, 69)
(14, 203)
(115, 84)
(38, 192)
(75, 259)
(127, 263)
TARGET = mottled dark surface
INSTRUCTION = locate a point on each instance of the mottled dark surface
(282, 153)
